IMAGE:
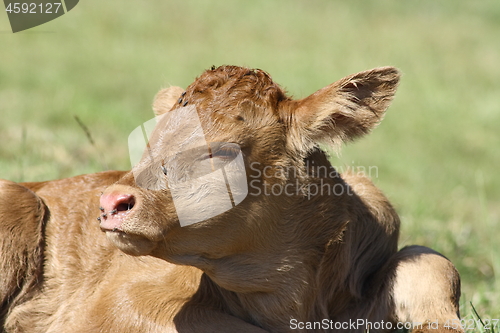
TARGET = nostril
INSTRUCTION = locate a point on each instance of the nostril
(114, 203)
(126, 204)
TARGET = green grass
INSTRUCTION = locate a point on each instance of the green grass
(436, 152)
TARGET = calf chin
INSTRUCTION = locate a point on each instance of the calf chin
(131, 244)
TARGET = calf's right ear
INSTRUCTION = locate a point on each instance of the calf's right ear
(342, 111)
(165, 99)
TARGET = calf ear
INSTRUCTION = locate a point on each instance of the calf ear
(344, 110)
(165, 99)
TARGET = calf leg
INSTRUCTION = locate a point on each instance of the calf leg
(425, 289)
(22, 216)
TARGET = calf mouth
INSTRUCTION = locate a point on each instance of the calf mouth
(113, 220)
(130, 243)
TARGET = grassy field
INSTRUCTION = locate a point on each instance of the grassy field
(436, 153)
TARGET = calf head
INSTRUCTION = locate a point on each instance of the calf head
(237, 113)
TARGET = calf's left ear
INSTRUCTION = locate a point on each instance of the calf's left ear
(165, 99)
(344, 110)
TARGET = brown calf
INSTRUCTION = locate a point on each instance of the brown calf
(304, 250)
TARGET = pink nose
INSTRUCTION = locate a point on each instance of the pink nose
(117, 202)
(114, 207)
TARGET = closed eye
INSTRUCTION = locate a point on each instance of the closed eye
(225, 151)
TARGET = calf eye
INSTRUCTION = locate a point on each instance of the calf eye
(226, 151)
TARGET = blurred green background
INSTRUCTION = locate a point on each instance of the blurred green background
(436, 153)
